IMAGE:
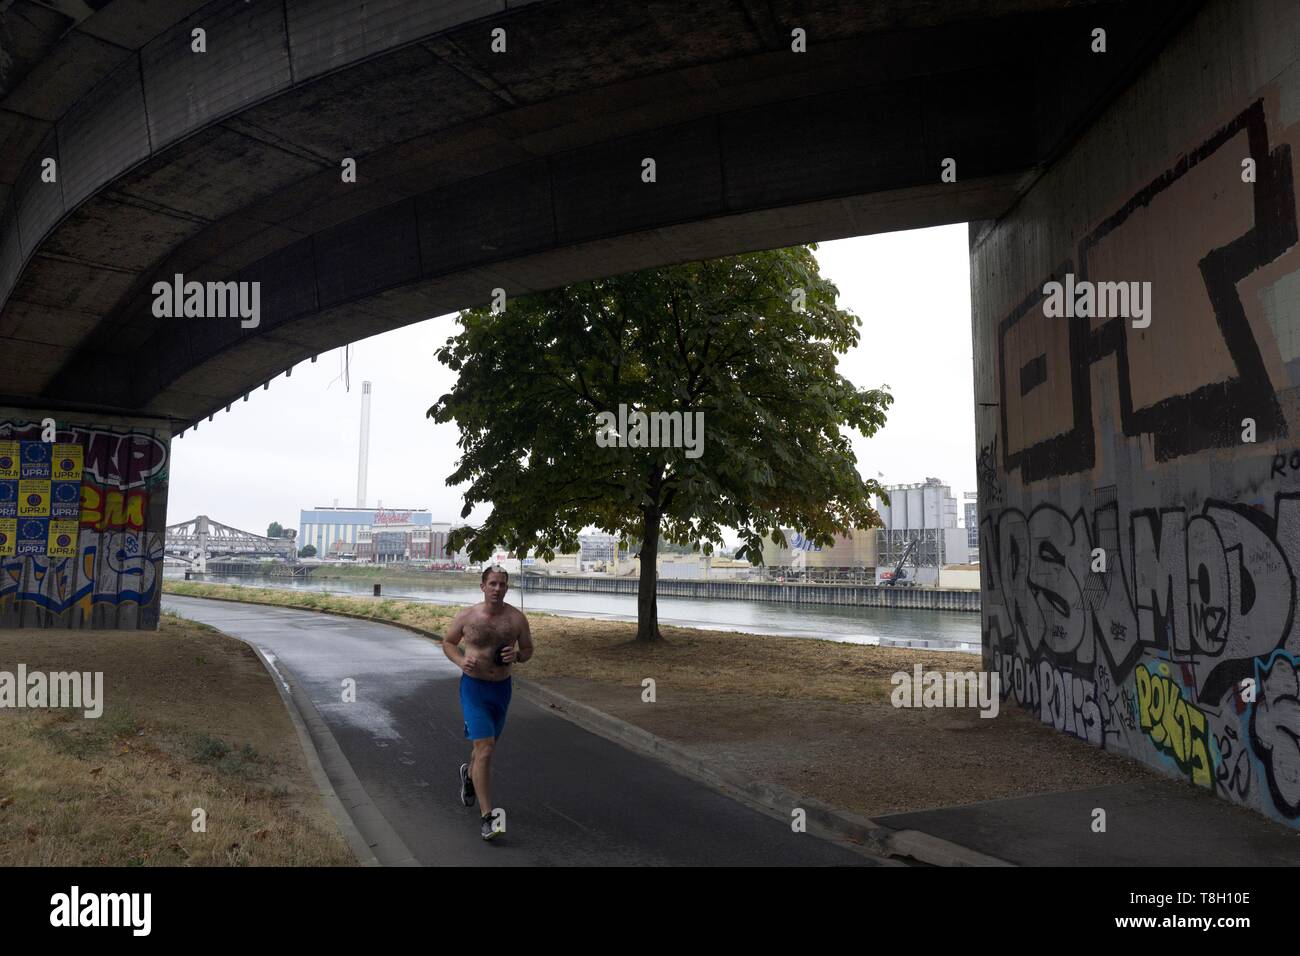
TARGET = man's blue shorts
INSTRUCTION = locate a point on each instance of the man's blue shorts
(484, 704)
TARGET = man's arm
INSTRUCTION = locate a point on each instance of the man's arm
(517, 655)
(451, 644)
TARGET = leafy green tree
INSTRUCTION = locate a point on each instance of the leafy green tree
(308, 552)
(274, 530)
(750, 341)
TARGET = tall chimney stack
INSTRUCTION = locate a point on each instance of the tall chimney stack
(363, 452)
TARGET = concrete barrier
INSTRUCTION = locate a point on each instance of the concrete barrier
(849, 595)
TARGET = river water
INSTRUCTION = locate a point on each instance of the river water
(937, 630)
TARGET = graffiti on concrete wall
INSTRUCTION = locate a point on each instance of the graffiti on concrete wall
(986, 473)
(1045, 364)
(104, 567)
(1215, 587)
(1174, 724)
(1275, 730)
(1139, 561)
(1146, 634)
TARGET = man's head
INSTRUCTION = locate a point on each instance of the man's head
(494, 584)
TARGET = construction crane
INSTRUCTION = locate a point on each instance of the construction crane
(898, 571)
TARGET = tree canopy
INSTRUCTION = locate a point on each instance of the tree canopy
(749, 342)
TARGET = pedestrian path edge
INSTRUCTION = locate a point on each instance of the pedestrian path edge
(857, 832)
(372, 840)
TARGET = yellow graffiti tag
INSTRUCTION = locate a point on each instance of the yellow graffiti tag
(1173, 724)
(111, 509)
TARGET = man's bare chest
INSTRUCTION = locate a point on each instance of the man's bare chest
(486, 632)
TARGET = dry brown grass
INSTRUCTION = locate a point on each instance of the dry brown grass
(191, 720)
(429, 617)
(722, 662)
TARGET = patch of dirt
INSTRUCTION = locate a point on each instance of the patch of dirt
(869, 758)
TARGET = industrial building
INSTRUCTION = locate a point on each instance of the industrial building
(560, 564)
(850, 555)
(925, 513)
(972, 527)
(700, 567)
(334, 531)
(389, 541)
(597, 548)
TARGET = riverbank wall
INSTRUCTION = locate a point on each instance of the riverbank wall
(777, 592)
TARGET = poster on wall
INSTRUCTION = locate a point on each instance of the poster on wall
(81, 522)
(40, 483)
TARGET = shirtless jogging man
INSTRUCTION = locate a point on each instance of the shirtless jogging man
(490, 630)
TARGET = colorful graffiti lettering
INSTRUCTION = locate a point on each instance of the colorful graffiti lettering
(1140, 482)
(104, 508)
(118, 459)
(1177, 727)
(1212, 591)
(107, 572)
(111, 569)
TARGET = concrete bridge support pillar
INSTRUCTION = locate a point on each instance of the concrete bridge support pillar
(201, 532)
(1139, 480)
(83, 506)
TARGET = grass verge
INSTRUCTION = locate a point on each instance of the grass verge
(191, 722)
(428, 617)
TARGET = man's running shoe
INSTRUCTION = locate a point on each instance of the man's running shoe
(466, 786)
(489, 830)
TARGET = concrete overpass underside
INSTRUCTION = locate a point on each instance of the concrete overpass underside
(479, 169)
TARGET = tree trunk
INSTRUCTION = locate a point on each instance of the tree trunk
(647, 604)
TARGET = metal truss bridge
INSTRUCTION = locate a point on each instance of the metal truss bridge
(201, 539)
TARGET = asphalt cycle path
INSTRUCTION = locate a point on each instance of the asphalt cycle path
(571, 798)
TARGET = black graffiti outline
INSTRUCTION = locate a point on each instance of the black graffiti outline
(1234, 782)
(986, 472)
(1209, 416)
(1119, 575)
(1263, 750)
(1122, 577)
(1079, 719)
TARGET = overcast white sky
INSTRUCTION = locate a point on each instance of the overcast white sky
(294, 446)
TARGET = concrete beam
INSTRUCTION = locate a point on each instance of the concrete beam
(477, 165)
